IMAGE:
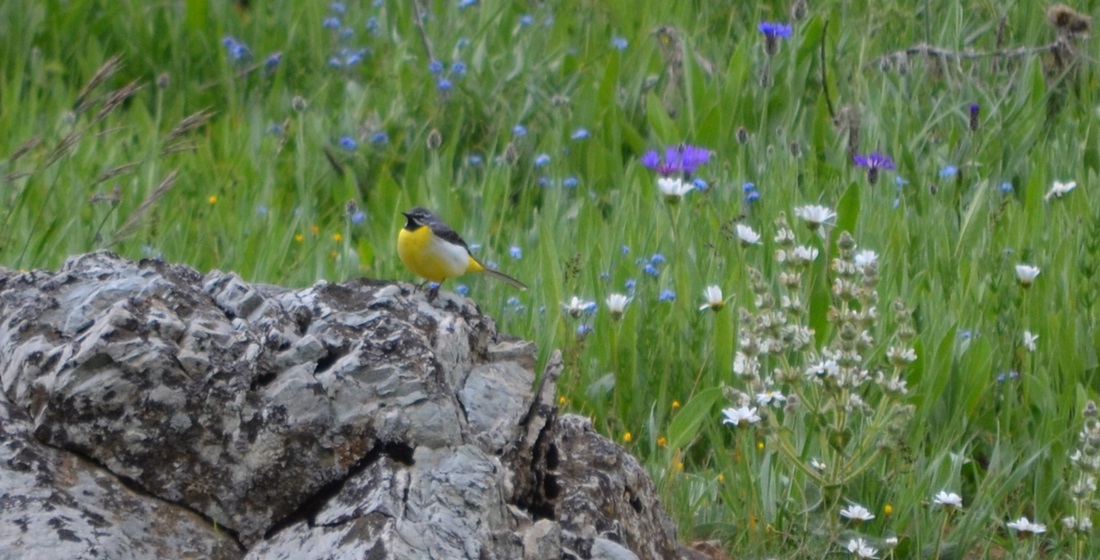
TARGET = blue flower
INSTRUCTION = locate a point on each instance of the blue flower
(775, 30)
(630, 285)
(699, 184)
(526, 20)
(462, 290)
(657, 258)
(348, 143)
(379, 139)
(475, 160)
(873, 162)
(277, 130)
(331, 22)
(650, 270)
(516, 252)
(462, 43)
(683, 159)
(444, 85)
(519, 130)
(748, 187)
(435, 66)
(544, 181)
(949, 171)
(458, 69)
(625, 249)
(272, 61)
(667, 295)
(752, 197)
(569, 182)
(584, 330)
(372, 25)
(1006, 188)
(542, 160)
(580, 134)
(238, 51)
(619, 43)
(338, 8)
(358, 217)
(463, 4)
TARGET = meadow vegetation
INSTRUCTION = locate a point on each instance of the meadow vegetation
(828, 269)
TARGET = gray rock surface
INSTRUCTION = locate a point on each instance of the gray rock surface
(148, 411)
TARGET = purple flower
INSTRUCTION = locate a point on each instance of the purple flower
(975, 116)
(873, 162)
(458, 68)
(435, 66)
(774, 30)
(379, 139)
(444, 85)
(684, 159)
(348, 143)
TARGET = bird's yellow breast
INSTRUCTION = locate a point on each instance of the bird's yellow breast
(432, 258)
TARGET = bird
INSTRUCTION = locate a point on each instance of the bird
(433, 250)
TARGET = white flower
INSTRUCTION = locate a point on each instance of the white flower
(616, 305)
(803, 254)
(817, 465)
(1024, 525)
(860, 549)
(1029, 341)
(770, 397)
(948, 499)
(1026, 274)
(891, 541)
(901, 356)
(1059, 189)
(814, 215)
(864, 259)
(713, 295)
(577, 307)
(740, 415)
(673, 188)
(747, 235)
(856, 512)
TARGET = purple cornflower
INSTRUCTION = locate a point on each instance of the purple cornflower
(435, 66)
(975, 116)
(773, 32)
(238, 51)
(348, 143)
(683, 159)
(444, 85)
(873, 162)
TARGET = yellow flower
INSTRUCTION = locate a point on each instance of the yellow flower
(888, 509)
(760, 445)
(675, 406)
(315, 229)
(299, 237)
(562, 401)
(627, 437)
(721, 477)
(662, 441)
(337, 237)
(213, 199)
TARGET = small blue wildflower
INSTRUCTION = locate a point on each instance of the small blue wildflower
(462, 43)
(358, 217)
(433, 285)
(346, 32)
(335, 61)
(372, 25)
(752, 197)
(519, 130)
(463, 4)
(443, 85)
(683, 159)
(900, 181)
(261, 210)
(584, 330)
(657, 258)
(619, 43)
(516, 252)
(544, 181)
(1008, 376)
(493, 265)
(462, 290)
(699, 184)
(458, 69)
(475, 160)
(353, 57)
(512, 301)
(435, 66)
(272, 61)
(526, 20)
(379, 139)
(338, 8)
(238, 51)
(667, 295)
(348, 143)
(277, 130)
(625, 249)
(630, 285)
(775, 30)
(331, 22)
(650, 270)
(949, 171)
(569, 182)
(580, 134)
(542, 310)
(748, 187)
(542, 160)
(1006, 188)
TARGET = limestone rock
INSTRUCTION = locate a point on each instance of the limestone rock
(151, 411)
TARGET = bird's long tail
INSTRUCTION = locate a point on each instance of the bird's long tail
(504, 277)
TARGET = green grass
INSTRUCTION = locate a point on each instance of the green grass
(272, 207)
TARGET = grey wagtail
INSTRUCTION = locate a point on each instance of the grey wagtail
(434, 251)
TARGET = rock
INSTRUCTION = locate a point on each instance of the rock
(151, 411)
